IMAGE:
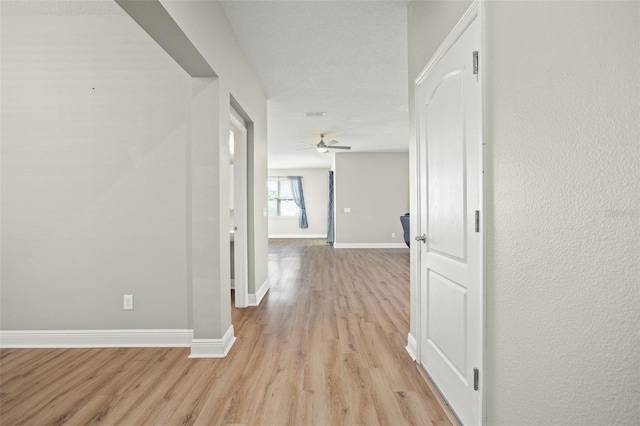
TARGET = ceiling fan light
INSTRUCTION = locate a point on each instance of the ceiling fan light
(322, 149)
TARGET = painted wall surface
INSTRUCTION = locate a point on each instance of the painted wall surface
(315, 186)
(562, 210)
(375, 186)
(563, 303)
(110, 163)
(206, 26)
(94, 129)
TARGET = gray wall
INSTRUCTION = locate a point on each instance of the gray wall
(314, 185)
(375, 186)
(206, 26)
(94, 129)
(562, 208)
(563, 254)
(113, 158)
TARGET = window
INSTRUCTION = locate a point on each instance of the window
(281, 201)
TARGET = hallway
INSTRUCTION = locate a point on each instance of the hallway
(325, 347)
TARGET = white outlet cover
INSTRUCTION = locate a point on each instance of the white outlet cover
(128, 302)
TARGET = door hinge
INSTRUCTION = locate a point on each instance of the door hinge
(475, 62)
(477, 220)
(476, 379)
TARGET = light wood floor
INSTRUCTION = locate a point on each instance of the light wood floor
(326, 347)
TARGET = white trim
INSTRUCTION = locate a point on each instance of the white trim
(237, 119)
(369, 245)
(297, 235)
(95, 338)
(255, 299)
(412, 346)
(484, 383)
(469, 16)
(213, 348)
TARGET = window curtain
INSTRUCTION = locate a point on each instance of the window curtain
(330, 231)
(298, 198)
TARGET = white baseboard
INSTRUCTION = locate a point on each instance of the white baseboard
(95, 338)
(297, 235)
(369, 245)
(255, 299)
(412, 347)
(213, 348)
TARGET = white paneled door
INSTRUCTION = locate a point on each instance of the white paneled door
(449, 121)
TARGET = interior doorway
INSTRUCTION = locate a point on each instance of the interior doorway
(238, 209)
(450, 298)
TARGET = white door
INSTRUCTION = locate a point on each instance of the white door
(449, 121)
(239, 213)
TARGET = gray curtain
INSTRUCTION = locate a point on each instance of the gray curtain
(330, 231)
(298, 198)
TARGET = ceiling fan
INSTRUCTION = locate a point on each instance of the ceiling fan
(324, 147)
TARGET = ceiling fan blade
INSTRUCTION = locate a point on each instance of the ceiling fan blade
(338, 147)
(309, 147)
(332, 142)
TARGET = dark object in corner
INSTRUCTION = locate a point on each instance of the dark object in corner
(404, 220)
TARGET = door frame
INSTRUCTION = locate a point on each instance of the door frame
(240, 193)
(475, 11)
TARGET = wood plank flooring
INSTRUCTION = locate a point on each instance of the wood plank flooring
(325, 347)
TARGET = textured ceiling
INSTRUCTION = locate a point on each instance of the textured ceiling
(345, 58)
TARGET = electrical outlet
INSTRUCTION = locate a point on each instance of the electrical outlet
(393, 235)
(128, 302)
(347, 210)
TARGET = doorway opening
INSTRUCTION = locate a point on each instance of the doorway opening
(238, 234)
